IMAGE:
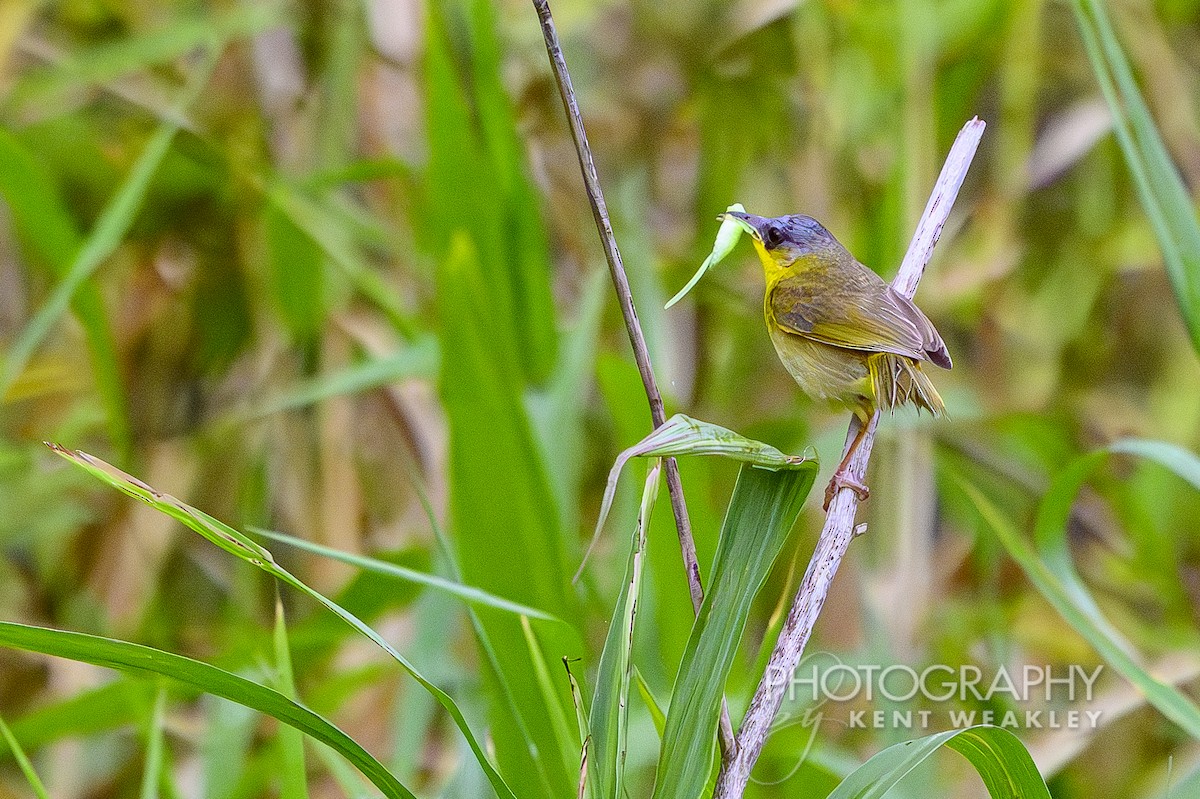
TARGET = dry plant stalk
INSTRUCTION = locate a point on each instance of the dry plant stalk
(839, 527)
(637, 340)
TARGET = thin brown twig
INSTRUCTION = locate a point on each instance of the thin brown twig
(839, 529)
(637, 340)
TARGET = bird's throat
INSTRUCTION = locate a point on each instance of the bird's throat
(772, 269)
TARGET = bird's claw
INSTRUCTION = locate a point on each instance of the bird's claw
(844, 480)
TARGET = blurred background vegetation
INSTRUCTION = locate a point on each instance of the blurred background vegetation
(331, 271)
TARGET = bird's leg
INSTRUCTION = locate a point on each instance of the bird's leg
(842, 477)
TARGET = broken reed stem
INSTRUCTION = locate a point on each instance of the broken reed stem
(839, 527)
(641, 352)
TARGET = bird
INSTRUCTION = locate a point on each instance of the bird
(842, 333)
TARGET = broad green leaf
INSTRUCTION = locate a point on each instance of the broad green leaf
(609, 721)
(762, 510)
(248, 550)
(504, 519)
(556, 412)
(1168, 205)
(1050, 569)
(476, 183)
(109, 231)
(462, 193)
(525, 246)
(138, 659)
(31, 776)
(999, 756)
(296, 274)
(122, 701)
(48, 232)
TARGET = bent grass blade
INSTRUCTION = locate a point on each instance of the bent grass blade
(246, 549)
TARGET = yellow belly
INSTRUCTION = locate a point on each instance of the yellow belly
(822, 371)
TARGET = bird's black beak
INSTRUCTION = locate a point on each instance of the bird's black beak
(754, 225)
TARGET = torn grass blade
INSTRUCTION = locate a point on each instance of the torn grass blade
(727, 238)
(609, 722)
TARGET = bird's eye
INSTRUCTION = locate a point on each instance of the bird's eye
(772, 236)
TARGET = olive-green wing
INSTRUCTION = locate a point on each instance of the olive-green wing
(851, 307)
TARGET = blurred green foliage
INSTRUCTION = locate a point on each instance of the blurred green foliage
(385, 191)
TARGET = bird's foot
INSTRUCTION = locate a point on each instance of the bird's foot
(843, 479)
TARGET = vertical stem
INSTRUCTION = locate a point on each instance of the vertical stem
(637, 340)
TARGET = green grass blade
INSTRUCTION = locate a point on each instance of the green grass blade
(1162, 193)
(156, 742)
(609, 721)
(526, 249)
(999, 756)
(120, 702)
(31, 777)
(138, 659)
(762, 510)
(245, 548)
(1051, 572)
(656, 712)
(48, 232)
(567, 742)
(293, 782)
(314, 220)
(108, 233)
(585, 785)
(557, 414)
(111, 60)
(469, 593)
(507, 692)
(419, 360)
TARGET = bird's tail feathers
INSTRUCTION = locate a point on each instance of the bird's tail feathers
(898, 380)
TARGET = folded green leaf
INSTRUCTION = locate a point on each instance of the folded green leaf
(683, 435)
